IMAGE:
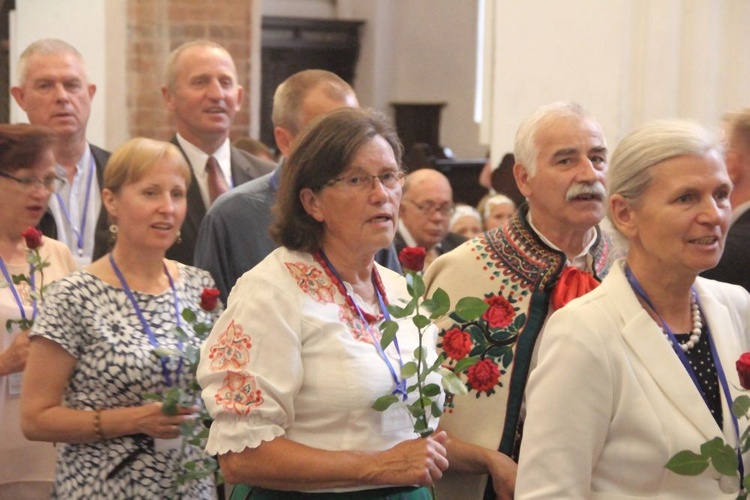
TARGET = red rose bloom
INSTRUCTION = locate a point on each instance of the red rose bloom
(209, 299)
(33, 238)
(412, 258)
(456, 343)
(500, 313)
(483, 376)
(743, 370)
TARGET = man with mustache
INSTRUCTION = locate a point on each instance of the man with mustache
(202, 92)
(54, 91)
(551, 251)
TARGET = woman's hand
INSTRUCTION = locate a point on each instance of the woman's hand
(13, 359)
(153, 421)
(419, 461)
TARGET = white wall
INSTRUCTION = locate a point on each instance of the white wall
(626, 61)
(94, 27)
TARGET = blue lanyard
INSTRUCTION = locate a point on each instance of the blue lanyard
(144, 323)
(400, 382)
(79, 233)
(14, 292)
(638, 289)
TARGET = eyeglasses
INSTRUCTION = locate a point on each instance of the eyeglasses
(51, 183)
(362, 182)
(428, 208)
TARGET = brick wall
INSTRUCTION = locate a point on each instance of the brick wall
(154, 29)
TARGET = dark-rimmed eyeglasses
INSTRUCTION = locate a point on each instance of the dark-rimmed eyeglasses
(51, 183)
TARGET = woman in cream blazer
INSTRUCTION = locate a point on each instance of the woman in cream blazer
(612, 398)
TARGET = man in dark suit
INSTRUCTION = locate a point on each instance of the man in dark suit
(54, 91)
(734, 266)
(426, 209)
(203, 94)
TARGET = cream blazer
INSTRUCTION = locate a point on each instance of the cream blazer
(610, 403)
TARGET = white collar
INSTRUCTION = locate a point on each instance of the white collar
(583, 260)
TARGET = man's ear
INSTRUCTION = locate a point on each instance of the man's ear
(284, 139)
(522, 179)
(19, 95)
(166, 96)
(623, 216)
(310, 203)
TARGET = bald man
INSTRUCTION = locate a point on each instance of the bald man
(425, 214)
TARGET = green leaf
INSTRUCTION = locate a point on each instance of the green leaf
(465, 363)
(420, 354)
(440, 304)
(723, 457)
(741, 406)
(388, 332)
(436, 410)
(384, 402)
(9, 325)
(415, 285)
(451, 382)
(470, 308)
(409, 369)
(171, 400)
(189, 315)
(687, 463)
(416, 410)
(421, 321)
(431, 390)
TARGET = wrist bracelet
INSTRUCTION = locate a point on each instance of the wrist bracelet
(98, 425)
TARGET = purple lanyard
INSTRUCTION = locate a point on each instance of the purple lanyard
(400, 382)
(66, 212)
(14, 292)
(638, 289)
(145, 325)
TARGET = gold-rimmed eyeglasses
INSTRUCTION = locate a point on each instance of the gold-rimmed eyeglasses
(428, 208)
(359, 181)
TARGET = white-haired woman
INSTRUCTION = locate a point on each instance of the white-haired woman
(643, 367)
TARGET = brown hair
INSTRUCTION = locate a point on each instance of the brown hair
(130, 162)
(23, 145)
(323, 151)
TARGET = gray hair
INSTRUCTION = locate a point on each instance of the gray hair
(170, 73)
(495, 200)
(630, 171)
(46, 46)
(291, 93)
(526, 148)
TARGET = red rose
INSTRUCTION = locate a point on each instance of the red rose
(209, 299)
(33, 238)
(743, 370)
(412, 258)
(456, 343)
(500, 313)
(483, 376)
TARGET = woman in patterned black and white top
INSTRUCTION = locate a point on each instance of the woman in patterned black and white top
(92, 355)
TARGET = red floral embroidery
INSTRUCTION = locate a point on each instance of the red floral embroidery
(232, 349)
(312, 281)
(483, 376)
(500, 313)
(456, 343)
(238, 394)
(360, 331)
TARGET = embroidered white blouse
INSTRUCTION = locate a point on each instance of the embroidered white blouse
(289, 357)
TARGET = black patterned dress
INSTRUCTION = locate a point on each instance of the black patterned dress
(115, 367)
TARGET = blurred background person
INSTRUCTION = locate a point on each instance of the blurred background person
(27, 179)
(255, 148)
(734, 266)
(466, 221)
(92, 361)
(293, 366)
(54, 91)
(644, 366)
(497, 209)
(425, 213)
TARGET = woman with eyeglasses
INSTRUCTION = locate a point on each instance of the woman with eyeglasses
(293, 366)
(27, 179)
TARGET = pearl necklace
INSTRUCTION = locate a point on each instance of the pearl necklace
(695, 334)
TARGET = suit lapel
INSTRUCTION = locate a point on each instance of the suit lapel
(196, 209)
(646, 339)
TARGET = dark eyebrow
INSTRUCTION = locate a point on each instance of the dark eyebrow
(598, 149)
(564, 152)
